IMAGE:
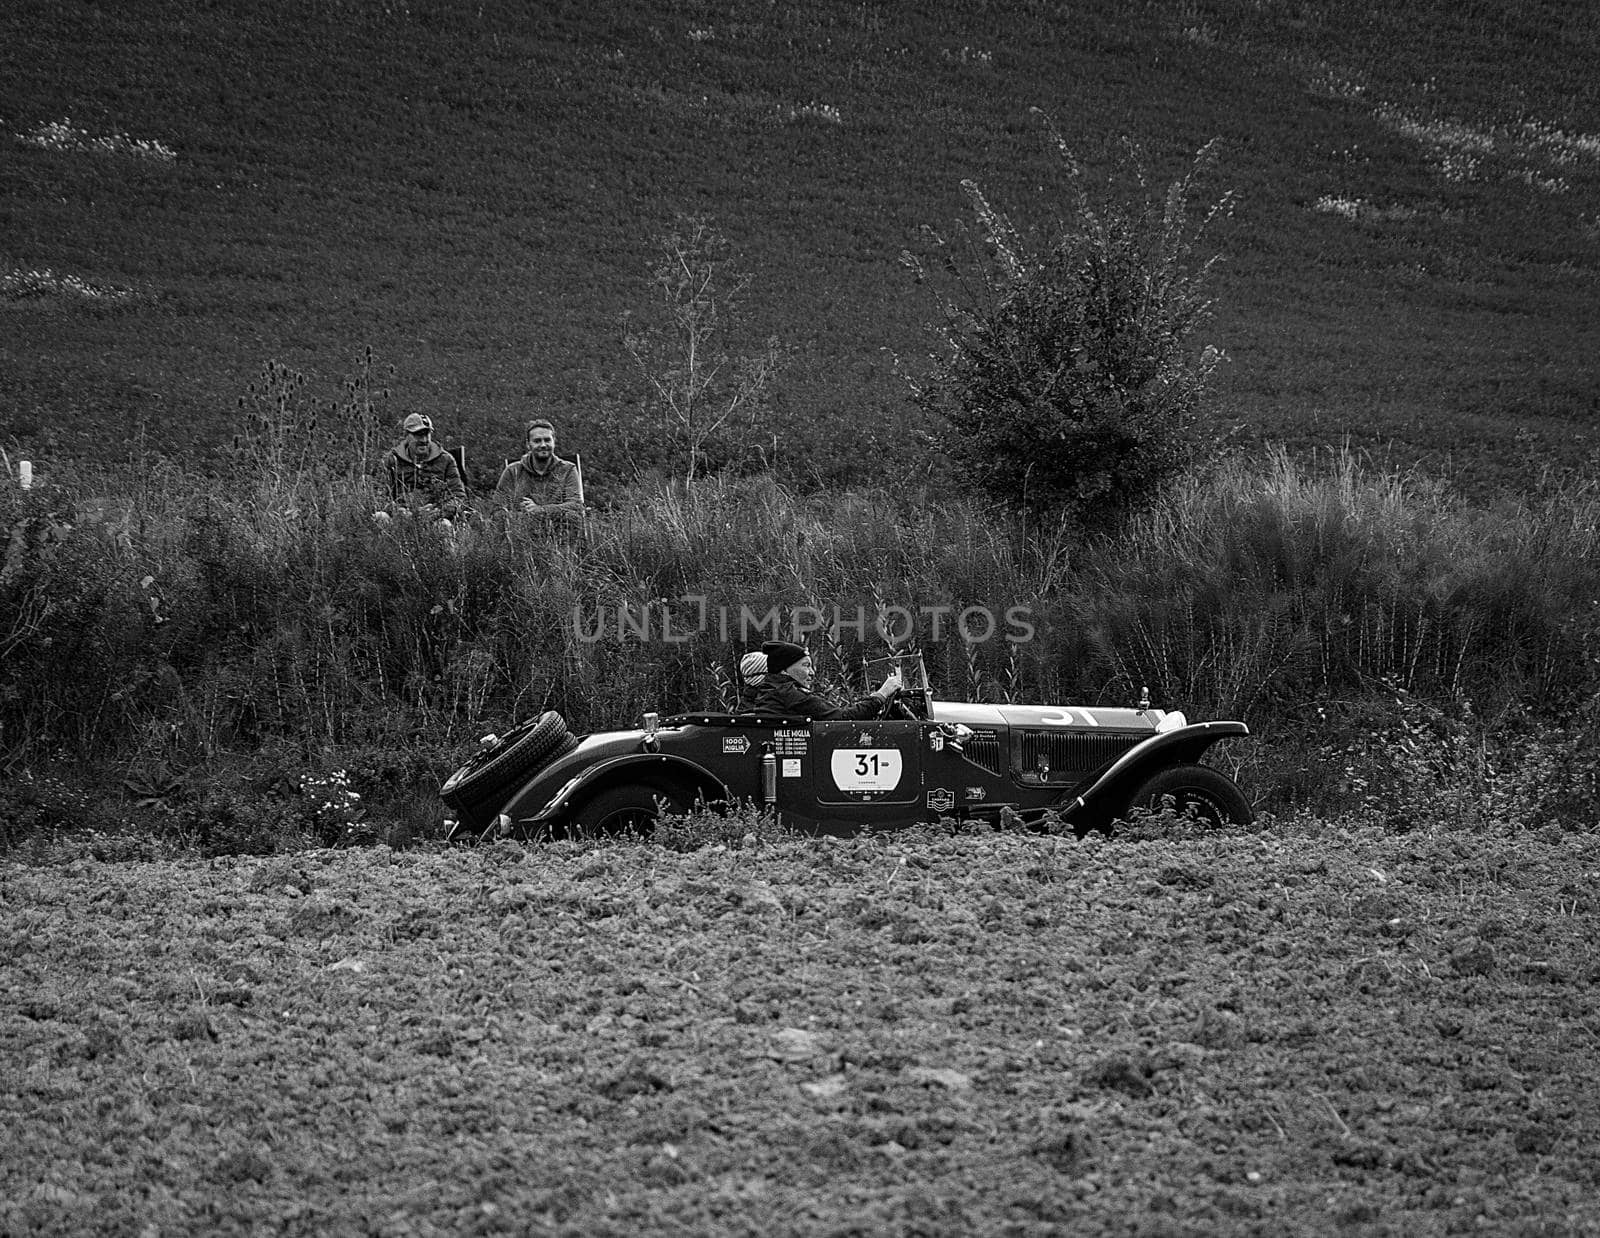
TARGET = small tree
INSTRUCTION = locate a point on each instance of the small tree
(1068, 382)
(709, 403)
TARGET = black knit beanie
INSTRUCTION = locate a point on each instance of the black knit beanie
(781, 655)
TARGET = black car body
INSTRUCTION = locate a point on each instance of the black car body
(932, 759)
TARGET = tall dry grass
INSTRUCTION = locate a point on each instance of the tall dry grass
(1270, 583)
(150, 618)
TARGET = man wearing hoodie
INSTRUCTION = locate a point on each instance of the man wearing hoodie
(541, 484)
(423, 476)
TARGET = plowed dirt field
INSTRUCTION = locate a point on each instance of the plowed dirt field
(1294, 1030)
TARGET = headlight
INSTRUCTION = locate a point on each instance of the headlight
(1171, 722)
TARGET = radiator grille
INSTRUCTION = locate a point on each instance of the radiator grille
(983, 751)
(1072, 753)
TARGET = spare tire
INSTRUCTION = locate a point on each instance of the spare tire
(475, 816)
(504, 762)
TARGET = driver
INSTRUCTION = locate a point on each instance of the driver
(786, 689)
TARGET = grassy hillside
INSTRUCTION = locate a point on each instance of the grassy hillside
(474, 191)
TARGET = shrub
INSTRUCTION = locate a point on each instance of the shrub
(1068, 382)
(1406, 763)
(231, 821)
(73, 608)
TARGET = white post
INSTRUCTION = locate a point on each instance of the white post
(25, 474)
(577, 461)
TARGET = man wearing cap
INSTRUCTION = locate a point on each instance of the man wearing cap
(541, 484)
(422, 475)
(786, 688)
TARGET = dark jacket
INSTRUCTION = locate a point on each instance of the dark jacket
(434, 479)
(554, 491)
(781, 694)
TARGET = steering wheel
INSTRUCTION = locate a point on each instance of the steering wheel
(896, 707)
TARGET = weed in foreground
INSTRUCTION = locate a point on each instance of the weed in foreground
(745, 826)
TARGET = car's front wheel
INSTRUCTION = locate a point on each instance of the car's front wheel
(629, 809)
(1208, 793)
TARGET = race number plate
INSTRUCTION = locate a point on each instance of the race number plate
(866, 769)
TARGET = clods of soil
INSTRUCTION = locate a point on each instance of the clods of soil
(1301, 1031)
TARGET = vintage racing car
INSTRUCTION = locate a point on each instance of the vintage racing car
(926, 760)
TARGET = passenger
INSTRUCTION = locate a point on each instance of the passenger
(541, 484)
(786, 688)
(752, 672)
(423, 477)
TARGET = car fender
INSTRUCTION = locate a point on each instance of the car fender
(1181, 746)
(645, 767)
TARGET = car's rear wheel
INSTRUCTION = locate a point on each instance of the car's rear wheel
(476, 786)
(1208, 793)
(629, 809)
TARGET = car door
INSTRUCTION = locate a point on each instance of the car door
(867, 771)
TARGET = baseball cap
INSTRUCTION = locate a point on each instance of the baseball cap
(417, 421)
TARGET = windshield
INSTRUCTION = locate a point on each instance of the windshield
(913, 674)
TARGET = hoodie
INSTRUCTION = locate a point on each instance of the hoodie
(433, 479)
